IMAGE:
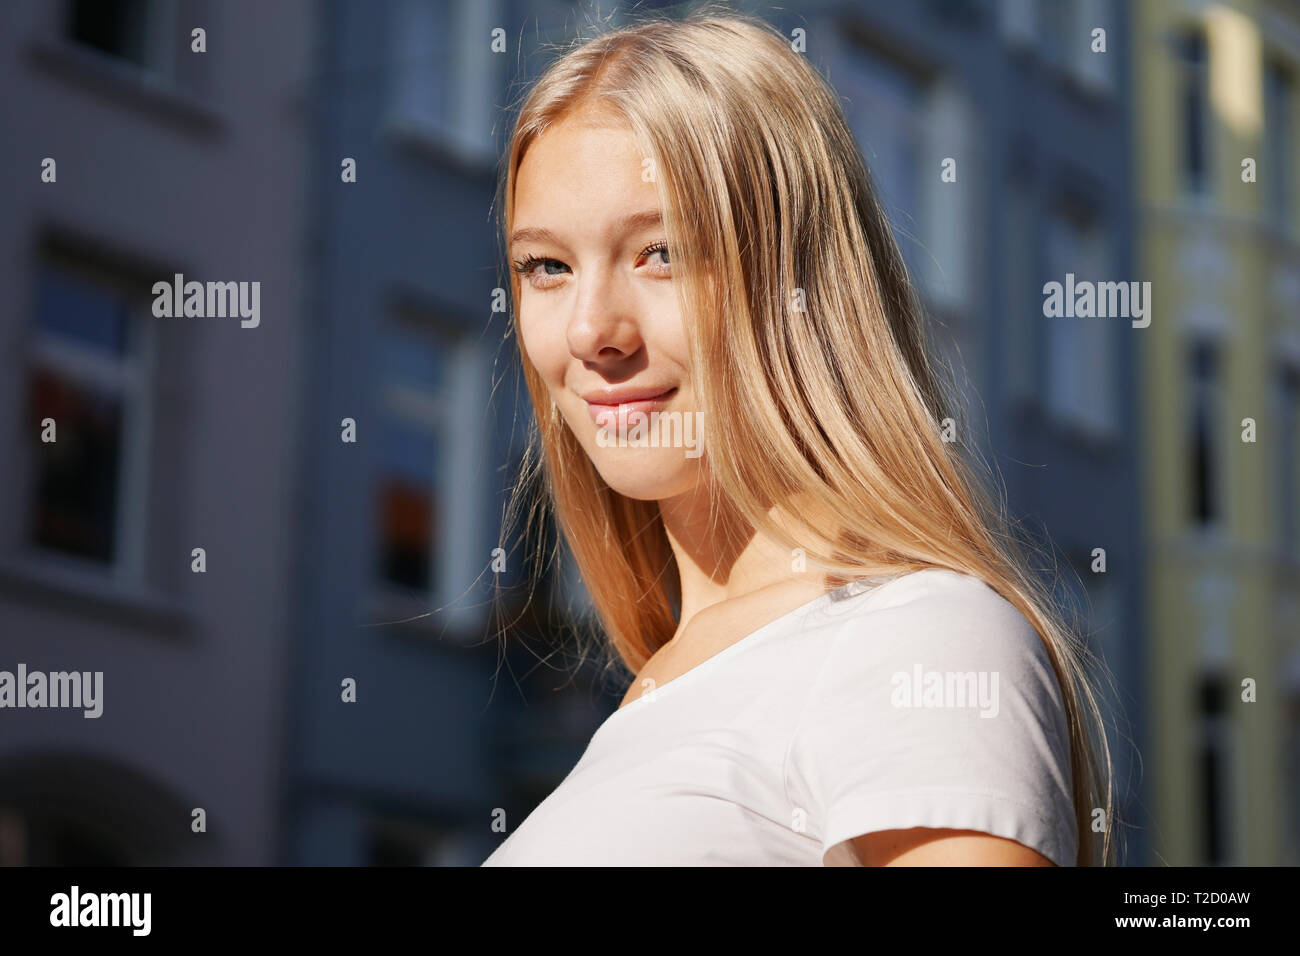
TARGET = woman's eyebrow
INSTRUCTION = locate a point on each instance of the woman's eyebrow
(645, 219)
(537, 233)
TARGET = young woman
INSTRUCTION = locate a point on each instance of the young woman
(840, 657)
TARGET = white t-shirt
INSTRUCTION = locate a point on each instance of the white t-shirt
(927, 700)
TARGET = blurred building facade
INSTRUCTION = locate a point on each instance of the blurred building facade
(1219, 186)
(130, 157)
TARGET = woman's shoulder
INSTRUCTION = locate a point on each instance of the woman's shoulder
(913, 586)
(927, 593)
(935, 705)
(934, 614)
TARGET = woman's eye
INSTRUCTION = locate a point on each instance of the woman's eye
(532, 262)
(659, 249)
(527, 267)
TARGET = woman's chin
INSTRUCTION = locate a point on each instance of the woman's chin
(647, 474)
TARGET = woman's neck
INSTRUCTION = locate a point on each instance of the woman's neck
(720, 557)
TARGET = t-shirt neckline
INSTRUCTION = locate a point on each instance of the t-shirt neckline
(748, 640)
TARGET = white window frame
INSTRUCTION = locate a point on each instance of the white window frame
(1068, 400)
(465, 62)
(460, 433)
(131, 376)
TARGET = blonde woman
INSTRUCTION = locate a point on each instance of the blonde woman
(839, 657)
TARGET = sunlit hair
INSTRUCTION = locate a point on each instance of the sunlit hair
(808, 354)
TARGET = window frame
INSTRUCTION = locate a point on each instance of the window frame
(449, 597)
(1067, 410)
(465, 74)
(1194, 76)
(1214, 393)
(133, 376)
(1280, 175)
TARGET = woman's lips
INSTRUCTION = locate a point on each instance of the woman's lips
(608, 409)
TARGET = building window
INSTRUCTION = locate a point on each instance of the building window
(1214, 769)
(145, 34)
(907, 126)
(1205, 442)
(1081, 376)
(1279, 128)
(1288, 465)
(90, 354)
(1021, 309)
(1193, 71)
(1105, 622)
(116, 27)
(884, 104)
(446, 76)
(414, 413)
(1291, 742)
(431, 476)
(1110, 640)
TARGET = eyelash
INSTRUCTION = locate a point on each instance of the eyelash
(527, 264)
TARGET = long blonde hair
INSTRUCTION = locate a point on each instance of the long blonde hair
(806, 341)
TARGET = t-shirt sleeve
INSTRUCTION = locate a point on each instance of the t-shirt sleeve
(936, 706)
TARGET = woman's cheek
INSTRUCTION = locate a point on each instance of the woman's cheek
(540, 352)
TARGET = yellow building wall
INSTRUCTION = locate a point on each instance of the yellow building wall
(1179, 559)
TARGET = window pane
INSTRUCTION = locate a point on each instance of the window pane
(1213, 767)
(1288, 505)
(408, 510)
(1022, 307)
(411, 355)
(1080, 349)
(1193, 55)
(1065, 373)
(884, 108)
(75, 486)
(113, 26)
(1204, 441)
(424, 60)
(81, 310)
(1277, 132)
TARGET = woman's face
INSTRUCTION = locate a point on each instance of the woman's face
(598, 315)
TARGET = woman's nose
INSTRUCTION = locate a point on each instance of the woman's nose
(604, 323)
